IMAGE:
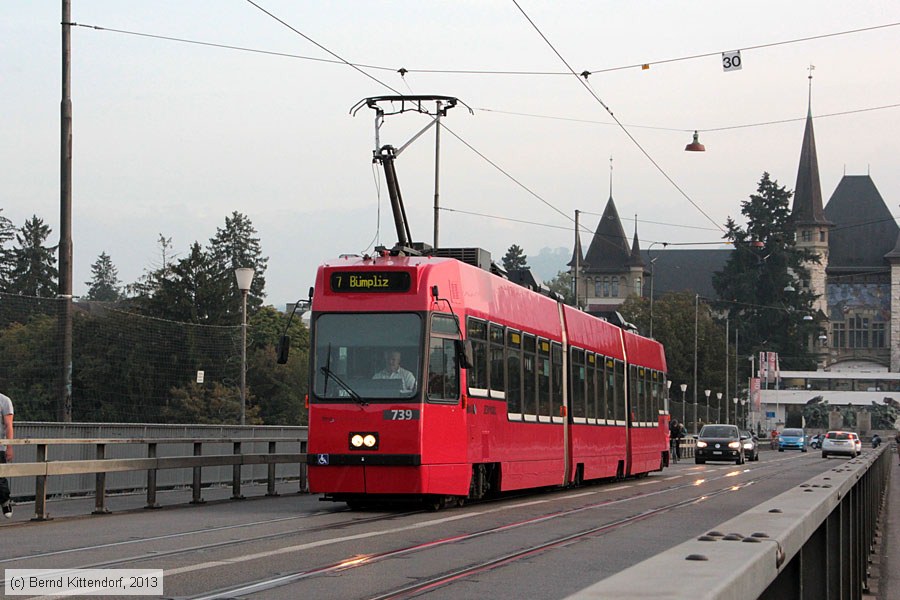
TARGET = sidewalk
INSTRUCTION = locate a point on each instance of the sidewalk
(888, 584)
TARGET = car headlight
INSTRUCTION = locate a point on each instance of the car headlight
(748, 445)
(701, 444)
(363, 440)
(734, 445)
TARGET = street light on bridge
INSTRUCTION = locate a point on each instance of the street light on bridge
(244, 276)
(706, 393)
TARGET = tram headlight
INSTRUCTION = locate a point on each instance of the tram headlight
(364, 440)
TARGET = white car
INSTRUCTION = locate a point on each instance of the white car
(841, 442)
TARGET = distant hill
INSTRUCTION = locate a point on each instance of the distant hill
(549, 262)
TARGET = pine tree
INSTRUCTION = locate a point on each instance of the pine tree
(150, 281)
(234, 246)
(192, 293)
(758, 285)
(104, 286)
(33, 272)
(7, 257)
(515, 258)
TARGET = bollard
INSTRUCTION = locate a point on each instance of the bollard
(198, 480)
(236, 476)
(151, 478)
(100, 485)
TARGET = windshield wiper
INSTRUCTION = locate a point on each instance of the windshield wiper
(356, 397)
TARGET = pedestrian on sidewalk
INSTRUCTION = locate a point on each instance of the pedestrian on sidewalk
(6, 452)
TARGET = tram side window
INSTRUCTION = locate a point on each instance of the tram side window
(514, 374)
(600, 409)
(478, 375)
(620, 390)
(591, 395)
(656, 396)
(648, 395)
(498, 362)
(556, 361)
(609, 390)
(579, 376)
(644, 393)
(635, 396)
(443, 375)
(529, 375)
(543, 377)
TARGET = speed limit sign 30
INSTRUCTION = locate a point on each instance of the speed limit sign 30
(731, 61)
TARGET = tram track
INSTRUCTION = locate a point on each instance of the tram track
(359, 561)
(670, 482)
(130, 560)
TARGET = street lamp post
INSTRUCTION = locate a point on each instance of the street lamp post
(683, 402)
(736, 420)
(668, 392)
(707, 393)
(746, 412)
(719, 408)
(244, 276)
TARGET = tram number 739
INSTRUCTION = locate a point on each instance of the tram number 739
(402, 414)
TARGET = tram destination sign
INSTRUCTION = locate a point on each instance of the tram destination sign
(370, 281)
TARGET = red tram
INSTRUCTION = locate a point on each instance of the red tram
(498, 387)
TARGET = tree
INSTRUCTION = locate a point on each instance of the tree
(149, 282)
(104, 286)
(673, 326)
(515, 258)
(234, 246)
(562, 285)
(193, 292)
(760, 286)
(7, 256)
(29, 352)
(279, 389)
(209, 404)
(33, 272)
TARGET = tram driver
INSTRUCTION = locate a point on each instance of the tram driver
(393, 370)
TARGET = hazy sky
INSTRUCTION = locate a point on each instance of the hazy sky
(171, 137)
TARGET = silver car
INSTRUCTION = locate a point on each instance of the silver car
(844, 443)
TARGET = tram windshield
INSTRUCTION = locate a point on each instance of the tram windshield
(366, 356)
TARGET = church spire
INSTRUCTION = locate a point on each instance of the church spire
(636, 259)
(807, 209)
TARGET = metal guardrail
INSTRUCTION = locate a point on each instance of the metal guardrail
(811, 542)
(84, 484)
(100, 465)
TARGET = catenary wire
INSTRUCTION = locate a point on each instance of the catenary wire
(501, 111)
(584, 83)
(359, 66)
(340, 61)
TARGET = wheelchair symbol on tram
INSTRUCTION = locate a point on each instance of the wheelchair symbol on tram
(322, 459)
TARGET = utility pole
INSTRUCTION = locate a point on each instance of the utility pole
(577, 260)
(437, 173)
(726, 372)
(65, 219)
(696, 332)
